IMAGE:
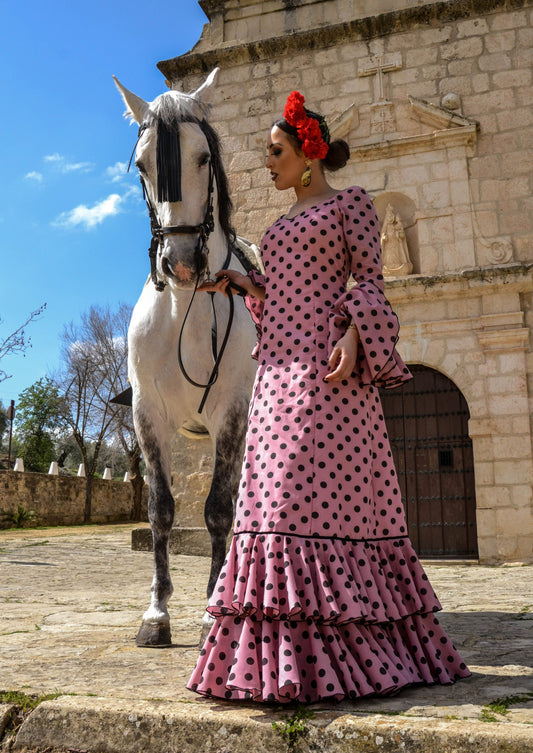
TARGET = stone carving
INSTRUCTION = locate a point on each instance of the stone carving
(381, 110)
(501, 252)
(396, 261)
(377, 65)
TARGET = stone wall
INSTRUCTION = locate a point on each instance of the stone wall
(60, 500)
(435, 101)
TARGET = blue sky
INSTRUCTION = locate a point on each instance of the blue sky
(73, 227)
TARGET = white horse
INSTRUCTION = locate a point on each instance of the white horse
(176, 333)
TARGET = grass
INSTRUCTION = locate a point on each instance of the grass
(523, 612)
(26, 702)
(501, 706)
(292, 728)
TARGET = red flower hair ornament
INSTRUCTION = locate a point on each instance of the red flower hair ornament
(308, 126)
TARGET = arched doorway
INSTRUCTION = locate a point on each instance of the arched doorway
(427, 423)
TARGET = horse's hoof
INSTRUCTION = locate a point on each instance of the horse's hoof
(207, 624)
(154, 635)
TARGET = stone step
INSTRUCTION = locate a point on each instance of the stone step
(195, 542)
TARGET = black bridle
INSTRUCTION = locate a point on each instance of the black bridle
(203, 230)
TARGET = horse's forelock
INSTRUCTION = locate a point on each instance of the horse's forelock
(173, 108)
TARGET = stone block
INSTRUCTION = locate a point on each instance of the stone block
(436, 194)
(513, 472)
(504, 41)
(418, 56)
(512, 523)
(522, 497)
(480, 82)
(193, 541)
(462, 48)
(6, 712)
(472, 27)
(497, 61)
(484, 471)
(486, 522)
(519, 77)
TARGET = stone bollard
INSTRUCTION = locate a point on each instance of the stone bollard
(54, 469)
(19, 465)
(107, 473)
(81, 471)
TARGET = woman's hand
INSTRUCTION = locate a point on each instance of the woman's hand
(224, 277)
(343, 357)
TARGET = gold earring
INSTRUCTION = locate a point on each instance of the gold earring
(306, 175)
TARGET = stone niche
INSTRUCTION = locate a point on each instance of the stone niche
(404, 211)
(423, 175)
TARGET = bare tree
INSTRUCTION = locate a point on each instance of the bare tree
(17, 341)
(94, 371)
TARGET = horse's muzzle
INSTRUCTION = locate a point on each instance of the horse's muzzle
(185, 269)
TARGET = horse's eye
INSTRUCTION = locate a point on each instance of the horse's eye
(204, 159)
(140, 167)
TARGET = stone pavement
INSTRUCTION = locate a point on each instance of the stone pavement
(71, 602)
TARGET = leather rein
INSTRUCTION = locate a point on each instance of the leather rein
(203, 230)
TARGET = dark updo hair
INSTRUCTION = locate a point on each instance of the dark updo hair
(338, 152)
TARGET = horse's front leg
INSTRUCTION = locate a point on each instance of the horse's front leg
(229, 445)
(155, 629)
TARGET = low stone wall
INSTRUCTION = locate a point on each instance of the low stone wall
(60, 500)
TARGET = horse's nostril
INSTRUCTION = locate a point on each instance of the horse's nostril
(165, 266)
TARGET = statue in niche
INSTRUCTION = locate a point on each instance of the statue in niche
(396, 261)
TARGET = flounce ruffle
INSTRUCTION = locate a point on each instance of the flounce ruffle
(302, 618)
(379, 362)
(332, 581)
(287, 661)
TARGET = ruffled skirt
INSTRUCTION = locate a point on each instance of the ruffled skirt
(306, 618)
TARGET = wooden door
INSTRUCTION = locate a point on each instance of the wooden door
(427, 423)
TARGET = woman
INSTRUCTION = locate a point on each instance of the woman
(321, 594)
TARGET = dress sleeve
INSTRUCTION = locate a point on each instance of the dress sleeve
(255, 307)
(378, 361)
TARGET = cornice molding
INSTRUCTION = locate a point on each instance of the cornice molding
(434, 15)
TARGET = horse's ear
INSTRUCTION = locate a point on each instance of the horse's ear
(137, 107)
(205, 93)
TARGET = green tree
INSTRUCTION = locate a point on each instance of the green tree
(37, 420)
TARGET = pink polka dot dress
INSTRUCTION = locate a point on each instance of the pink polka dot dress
(321, 595)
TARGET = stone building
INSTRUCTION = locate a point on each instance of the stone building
(435, 100)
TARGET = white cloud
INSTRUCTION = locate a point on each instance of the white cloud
(68, 167)
(34, 175)
(89, 217)
(117, 172)
(134, 192)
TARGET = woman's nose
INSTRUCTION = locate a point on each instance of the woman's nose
(267, 161)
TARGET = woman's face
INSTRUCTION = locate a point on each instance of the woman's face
(286, 165)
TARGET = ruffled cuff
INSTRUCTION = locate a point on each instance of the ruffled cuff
(255, 307)
(378, 361)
